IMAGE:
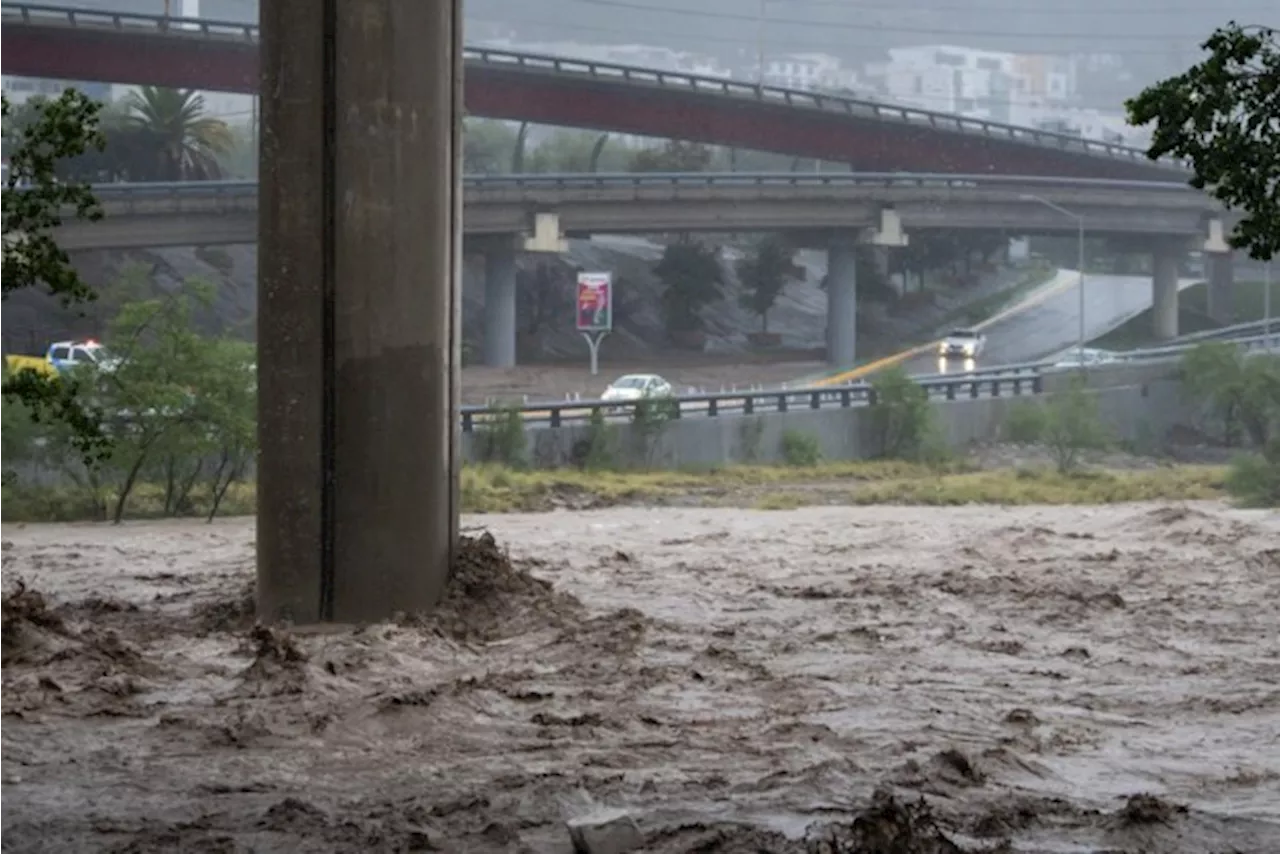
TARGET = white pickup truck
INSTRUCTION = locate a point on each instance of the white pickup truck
(962, 344)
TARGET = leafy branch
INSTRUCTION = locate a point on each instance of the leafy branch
(1223, 115)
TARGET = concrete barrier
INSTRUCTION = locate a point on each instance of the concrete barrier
(1135, 402)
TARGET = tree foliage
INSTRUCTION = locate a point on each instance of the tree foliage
(35, 197)
(692, 277)
(1223, 115)
(1240, 393)
(764, 272)
(673, 156)
(179, 409)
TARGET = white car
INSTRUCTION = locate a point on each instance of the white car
(962, 343)
(637, 386)
(1086, 357)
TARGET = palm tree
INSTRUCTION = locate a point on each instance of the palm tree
(173, 137)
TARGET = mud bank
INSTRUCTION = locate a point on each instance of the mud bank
(828, 679)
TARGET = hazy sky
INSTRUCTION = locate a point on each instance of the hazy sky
(1156, 37)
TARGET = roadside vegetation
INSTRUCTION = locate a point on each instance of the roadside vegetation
(1219, 115)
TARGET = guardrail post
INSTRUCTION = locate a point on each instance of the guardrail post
(782, 402)
(554, 415)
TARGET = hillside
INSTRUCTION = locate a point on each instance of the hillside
(545, 315)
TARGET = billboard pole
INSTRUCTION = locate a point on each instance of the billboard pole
(594, 310)
(593, 344)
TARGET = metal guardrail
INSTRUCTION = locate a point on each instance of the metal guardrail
(609, 180)
(1229, 333)
(1018, 380)
(31, 13)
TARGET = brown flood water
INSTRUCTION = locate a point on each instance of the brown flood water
(1046, 679)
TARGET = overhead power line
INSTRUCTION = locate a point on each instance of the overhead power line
(788, 43)
(933, 32)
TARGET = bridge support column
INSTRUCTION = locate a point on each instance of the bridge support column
(1221, 280)
(500, 306)
(1164, 291)
(842, 304)
(1219, 272)
(358, 307)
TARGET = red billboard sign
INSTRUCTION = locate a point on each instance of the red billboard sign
(595, 302)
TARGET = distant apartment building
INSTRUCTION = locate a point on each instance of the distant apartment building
(635, 55)
(1018, 89)
(808, 72)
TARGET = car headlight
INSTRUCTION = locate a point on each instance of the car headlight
(968, 349)
(942, 348)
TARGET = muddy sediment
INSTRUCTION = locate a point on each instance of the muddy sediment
(898, 680)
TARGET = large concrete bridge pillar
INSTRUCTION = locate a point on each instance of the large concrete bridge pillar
(500, 306)
(359, 235)
(842, 281)
(1164, 291)
(842, 300)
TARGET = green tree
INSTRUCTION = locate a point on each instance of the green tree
(578, 151)
(171, 136)
(764, 272)
(226, 414)
(488, 147)
(1221, 115)
(154, 393)
(692, 277)
(1242, 393)
(673, 156)
(35, 199)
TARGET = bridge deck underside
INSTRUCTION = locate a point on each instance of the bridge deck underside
(865, 142)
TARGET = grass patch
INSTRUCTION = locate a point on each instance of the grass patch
(1193, 315)
(494, 489)
(1047, 486)
(26, 503)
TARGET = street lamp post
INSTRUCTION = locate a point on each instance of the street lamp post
(1079, 260)
(764, 11)
(1266, 302)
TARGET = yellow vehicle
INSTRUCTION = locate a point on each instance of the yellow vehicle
(14, 364)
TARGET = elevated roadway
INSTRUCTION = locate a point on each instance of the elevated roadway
(807, 205)
(1048, 323)
(117, 47)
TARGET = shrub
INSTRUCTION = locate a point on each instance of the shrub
(502, 438)
(1072, 426)
(1254, 479)
(800, 449)
(598, 450)
(1026, 423)
(902, 417)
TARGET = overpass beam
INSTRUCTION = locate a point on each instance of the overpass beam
(357, 312)
(1164, 290)
(500, 304)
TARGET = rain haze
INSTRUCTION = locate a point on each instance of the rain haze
(744, 425)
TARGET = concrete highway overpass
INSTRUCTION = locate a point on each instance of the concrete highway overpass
(223, 212)
(73, 44)
(844, 212)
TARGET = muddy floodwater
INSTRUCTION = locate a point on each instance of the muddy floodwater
(831, 679)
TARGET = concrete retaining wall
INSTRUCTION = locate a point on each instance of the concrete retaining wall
(1135, 402)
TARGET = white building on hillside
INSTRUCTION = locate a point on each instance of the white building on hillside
(809, 72)
(991, 85)
(637, 55)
